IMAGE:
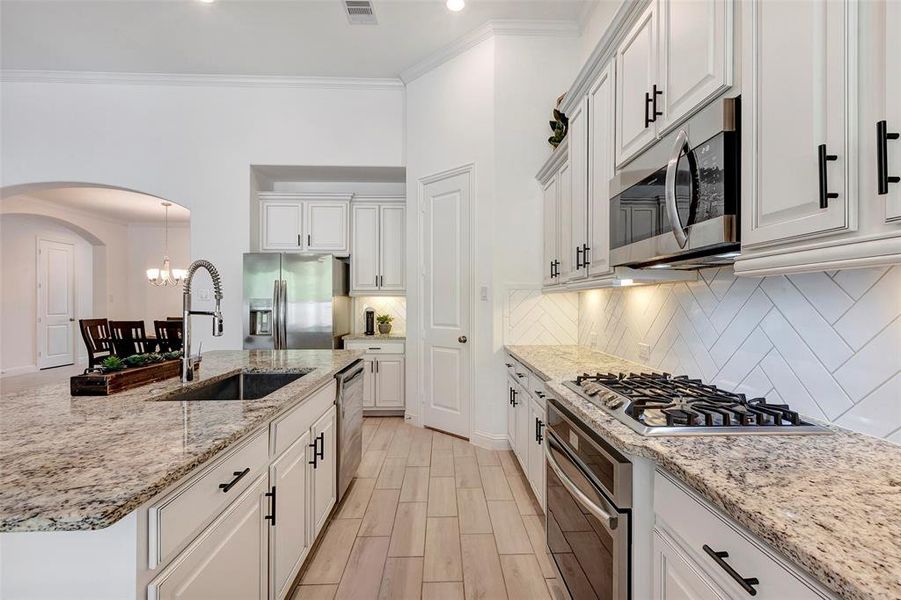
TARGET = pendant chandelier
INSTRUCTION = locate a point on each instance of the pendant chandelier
(166, 275)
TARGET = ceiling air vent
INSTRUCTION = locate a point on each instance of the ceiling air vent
(359, 12)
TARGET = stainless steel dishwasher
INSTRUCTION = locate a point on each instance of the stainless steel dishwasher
(350, 423)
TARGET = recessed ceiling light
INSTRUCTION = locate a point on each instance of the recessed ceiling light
(206, 1)
(456, 5)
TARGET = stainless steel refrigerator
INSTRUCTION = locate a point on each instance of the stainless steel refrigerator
(295, 301)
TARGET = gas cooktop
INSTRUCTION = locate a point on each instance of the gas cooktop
(659, 404)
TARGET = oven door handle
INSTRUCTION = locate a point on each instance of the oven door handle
(669, 190)
(611, 521)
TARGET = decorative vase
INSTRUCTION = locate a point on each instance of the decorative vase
(384, 328)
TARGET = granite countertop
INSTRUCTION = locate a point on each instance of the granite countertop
(76, 463)
(387, 337)
(830, 503)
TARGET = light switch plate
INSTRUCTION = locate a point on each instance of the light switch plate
(644, 351)
(484, 293)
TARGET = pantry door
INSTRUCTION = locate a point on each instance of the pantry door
(56, 304)
(447, 300)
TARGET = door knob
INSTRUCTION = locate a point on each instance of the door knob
(71, 320)
(462, 339)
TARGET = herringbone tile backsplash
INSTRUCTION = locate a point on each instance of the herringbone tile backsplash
(533, 318)
(396, 306)
(827, 343)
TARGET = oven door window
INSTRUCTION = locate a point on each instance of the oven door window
(592, 557)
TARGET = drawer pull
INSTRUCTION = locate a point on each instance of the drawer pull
(746, 583)
(509, 366)
(239, 475)
(375, 347)
(520, 375)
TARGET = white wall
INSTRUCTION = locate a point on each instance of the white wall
(828, 344)
(194, 145)
(18, 286)
(488, 106)
(595, 26)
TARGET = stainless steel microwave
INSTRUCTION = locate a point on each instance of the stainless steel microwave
(677, 205)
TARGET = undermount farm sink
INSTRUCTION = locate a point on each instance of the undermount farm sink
(242, 386)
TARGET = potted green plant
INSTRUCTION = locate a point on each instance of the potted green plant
(384, 323)
(112, 363)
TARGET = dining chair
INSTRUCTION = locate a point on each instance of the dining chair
(169, 334)
(96, 336)
(129, 337)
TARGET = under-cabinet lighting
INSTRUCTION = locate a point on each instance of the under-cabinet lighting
(624, 282)
(661, 266)
(455, 5)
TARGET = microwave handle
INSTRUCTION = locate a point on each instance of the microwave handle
(672, 211)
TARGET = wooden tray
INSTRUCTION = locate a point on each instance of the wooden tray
(104, 384)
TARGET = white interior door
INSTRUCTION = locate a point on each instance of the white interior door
(446, 296)
(56, 304)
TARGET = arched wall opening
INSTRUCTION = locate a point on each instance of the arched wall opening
(114, 235)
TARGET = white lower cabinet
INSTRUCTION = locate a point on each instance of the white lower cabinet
(228, 560)
(526, 418)
(325, 465)
(289, 539)
(698, 553)
(254, 546)
(676, 577)
(383, 374)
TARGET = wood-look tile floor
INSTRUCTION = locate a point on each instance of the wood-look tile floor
(431, 516)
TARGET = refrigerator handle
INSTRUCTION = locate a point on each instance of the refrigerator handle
(276, 321)
(283, 317)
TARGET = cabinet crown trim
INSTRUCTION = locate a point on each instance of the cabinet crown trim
(553, 162)
(305, 196)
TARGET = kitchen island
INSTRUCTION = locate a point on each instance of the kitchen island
(116, 464)
(830, 503)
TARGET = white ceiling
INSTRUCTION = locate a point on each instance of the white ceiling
(107, 203)
(246, 37)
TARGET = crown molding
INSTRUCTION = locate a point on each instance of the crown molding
(199, 80)
(479, 35)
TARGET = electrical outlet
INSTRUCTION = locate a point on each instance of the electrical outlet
(644, 351)
(593, 338)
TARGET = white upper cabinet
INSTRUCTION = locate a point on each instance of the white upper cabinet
(282, 224)
(695, 56)
(392, 249)
(600, 155)
(551, 226)
(327, 225)
(578, 197)
(378, 253)
(636, 84)
(304, 222)
(798, 120)
(892, 145)
(566, 254)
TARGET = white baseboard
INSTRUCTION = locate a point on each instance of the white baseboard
(491, 441)
(413, 419)
(13, 371)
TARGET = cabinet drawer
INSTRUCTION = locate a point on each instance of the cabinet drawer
(537, 389)
(376, 346)
(177, 518)
(291, 426)
(693, 524)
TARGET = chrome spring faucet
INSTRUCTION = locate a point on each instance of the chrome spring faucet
(187, 361)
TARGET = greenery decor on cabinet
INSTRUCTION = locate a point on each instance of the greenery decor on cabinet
(384, 323)
(559, 126)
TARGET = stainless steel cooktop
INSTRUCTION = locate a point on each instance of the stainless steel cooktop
(655, 404)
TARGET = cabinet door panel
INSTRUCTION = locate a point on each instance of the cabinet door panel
(794, 102)
(522, 427)
(892, 25)
(566, 253)
(369, 390)
(282, 225)
(389, 383)
(600, 153)
(364, 259)
(636, 74)
(288, 538)
(392, 238)
(325, 474)
(550, 230)
(536, 450)
(511, 415)
(676, 577)
(695, 55)
(326, 226)
(228, 560)
(578, 199)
